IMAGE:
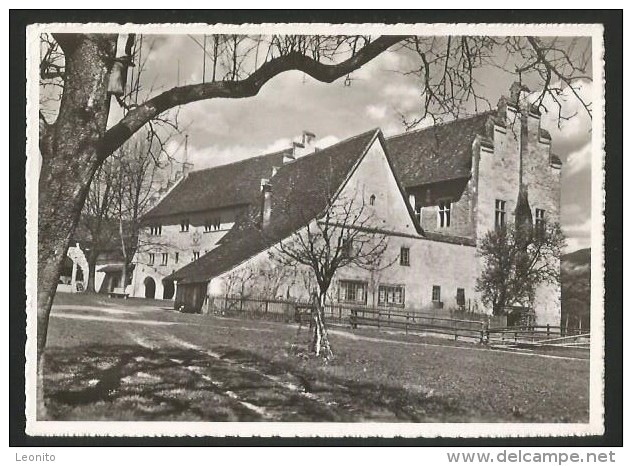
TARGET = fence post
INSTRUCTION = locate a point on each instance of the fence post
(406, 322)
(548, 330)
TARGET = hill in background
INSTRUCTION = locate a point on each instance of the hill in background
(575, 277)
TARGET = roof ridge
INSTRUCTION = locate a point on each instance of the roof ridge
(242, 160)
(443, 123)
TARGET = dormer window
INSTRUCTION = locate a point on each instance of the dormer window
(184, 224)
(213, 224)
(155, 230)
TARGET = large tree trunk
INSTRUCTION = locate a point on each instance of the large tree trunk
(69, 150)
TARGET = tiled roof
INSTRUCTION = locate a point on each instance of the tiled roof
(301, 191)
(441, 152)
(222, 186)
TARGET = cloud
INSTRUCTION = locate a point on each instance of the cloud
(568, 135)
(376, 112)
(578, 160)
(214, 155)
(577, 235)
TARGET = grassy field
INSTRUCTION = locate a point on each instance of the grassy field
(112, 359)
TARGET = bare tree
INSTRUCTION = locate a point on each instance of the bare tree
(516, 262)
(344, 236)
(139, 166)
(98, 216)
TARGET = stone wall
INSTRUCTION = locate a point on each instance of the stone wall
(497, 176)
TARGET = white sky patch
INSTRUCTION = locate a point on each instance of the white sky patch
(578, 127)
(376, 112)
(326, 141)
(582, 228)
(577, 235)
(578, 160)
(402, 96)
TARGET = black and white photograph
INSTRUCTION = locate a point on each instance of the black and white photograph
(315, 230)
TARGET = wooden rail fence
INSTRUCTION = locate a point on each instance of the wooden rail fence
(394, 318)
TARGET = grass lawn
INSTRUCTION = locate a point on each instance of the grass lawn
(114, 359)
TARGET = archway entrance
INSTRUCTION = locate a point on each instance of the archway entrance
(168, 289)
(150, 288)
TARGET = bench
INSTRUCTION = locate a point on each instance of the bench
(118, 293)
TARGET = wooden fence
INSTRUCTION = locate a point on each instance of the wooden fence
(539, 335)
(481, 329)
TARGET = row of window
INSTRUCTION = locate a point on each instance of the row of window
(351, 291)
(211, 224)
(164, 257)
(500, 218)
(444, 214)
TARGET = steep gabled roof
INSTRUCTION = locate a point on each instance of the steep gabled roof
(438, 153)
(301, 191)
(222, 186)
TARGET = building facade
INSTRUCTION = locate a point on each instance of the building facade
(433, 193)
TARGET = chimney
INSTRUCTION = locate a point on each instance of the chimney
(186, 169)
(306, 146)
(266, 203)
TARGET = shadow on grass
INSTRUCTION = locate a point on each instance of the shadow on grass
(134, 383)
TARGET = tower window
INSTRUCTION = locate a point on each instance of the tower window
(165, 258)
(501, 214)
(372, 199)
(152, 258)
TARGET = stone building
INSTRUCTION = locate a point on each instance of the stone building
(433, 193)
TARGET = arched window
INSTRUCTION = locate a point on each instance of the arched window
(372, 199)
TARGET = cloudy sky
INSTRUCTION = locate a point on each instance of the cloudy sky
(222, 131)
